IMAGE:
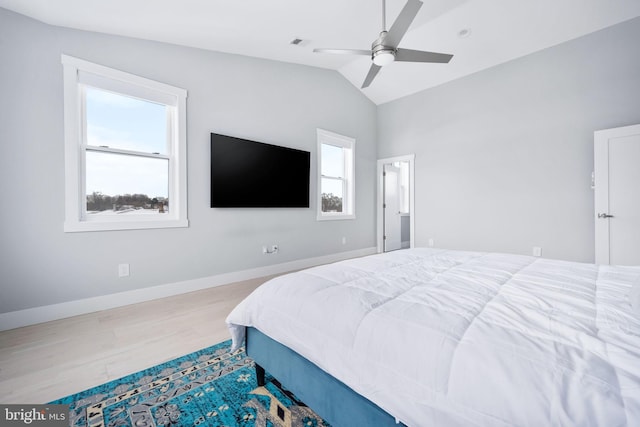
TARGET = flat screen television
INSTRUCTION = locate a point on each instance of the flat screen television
(250, 174)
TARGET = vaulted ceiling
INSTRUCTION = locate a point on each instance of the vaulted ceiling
(479, 34)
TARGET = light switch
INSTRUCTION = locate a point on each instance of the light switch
(123, 270)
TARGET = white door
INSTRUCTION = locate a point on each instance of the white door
(617, 195)
(391, 208)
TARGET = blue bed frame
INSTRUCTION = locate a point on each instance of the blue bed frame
(328, 397)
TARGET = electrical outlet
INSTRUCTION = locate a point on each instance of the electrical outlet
(123, 270)
(344, 240)
(270, 250)
(537, 251)
(430, 243)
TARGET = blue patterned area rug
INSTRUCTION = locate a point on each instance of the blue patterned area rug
(211, 387)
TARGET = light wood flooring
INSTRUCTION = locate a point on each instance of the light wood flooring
(44, 362)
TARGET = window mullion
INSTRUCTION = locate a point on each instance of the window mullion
(106, 149)
(331, 177)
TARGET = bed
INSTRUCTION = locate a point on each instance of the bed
(431, 337)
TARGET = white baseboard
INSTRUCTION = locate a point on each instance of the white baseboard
(32, 316)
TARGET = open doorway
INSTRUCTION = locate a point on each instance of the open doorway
(395, 203)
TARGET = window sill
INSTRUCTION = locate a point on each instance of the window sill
(334, 217)
(84, 226)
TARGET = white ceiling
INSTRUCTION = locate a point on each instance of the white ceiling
(499, 30)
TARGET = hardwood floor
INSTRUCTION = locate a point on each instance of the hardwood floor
(44, 362)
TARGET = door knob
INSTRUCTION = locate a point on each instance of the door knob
(604, 215)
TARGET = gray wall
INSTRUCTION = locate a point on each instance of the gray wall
(504, 156)
(268, 101)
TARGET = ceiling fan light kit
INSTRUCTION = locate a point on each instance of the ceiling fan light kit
(384, 49)
(383, 55)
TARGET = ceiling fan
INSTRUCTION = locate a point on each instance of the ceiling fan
(385, 50)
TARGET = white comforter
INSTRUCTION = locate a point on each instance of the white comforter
(444, 338)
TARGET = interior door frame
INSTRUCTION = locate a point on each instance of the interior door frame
(601, 186)
(410, 158)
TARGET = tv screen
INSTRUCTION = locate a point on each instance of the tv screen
(249, 174)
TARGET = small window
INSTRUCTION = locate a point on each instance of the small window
(335, 176)
(125, 144)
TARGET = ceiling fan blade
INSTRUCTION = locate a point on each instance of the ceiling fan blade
(402, 23)
(373, 71)
(344, 51)
(409, 55)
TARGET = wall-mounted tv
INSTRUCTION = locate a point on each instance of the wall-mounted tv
(250, 174)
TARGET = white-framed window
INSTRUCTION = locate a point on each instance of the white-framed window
(336, 196)
(125, 150)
